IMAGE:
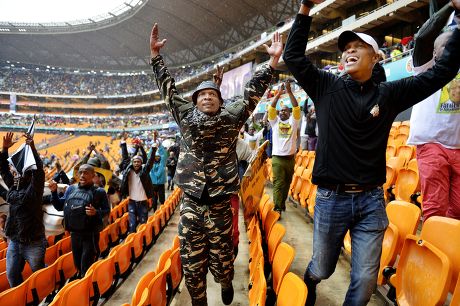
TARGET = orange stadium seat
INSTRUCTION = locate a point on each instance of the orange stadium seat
(293, 291)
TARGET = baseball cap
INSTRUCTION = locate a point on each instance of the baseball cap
(347, 36)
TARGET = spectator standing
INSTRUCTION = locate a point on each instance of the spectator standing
(24, 225)
(84, 207)
(285, 130)
(158, 176)
(207, 171)
(136, 184)
(171, 164)
(354, 115)
(434, 128)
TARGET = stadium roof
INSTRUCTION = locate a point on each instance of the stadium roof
(196, 30)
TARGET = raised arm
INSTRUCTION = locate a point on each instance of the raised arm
(294, 103)
(8, 142)
(409, 91)
(312, 79)
(425, 37)
(38, 176)
(272, 107)
(164, 80)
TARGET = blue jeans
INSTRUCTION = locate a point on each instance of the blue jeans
(17, 255)
(137, 214)
(365, 216)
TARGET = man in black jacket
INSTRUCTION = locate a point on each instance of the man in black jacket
(136, 184)
(85, 227)
(354, 115)
(24, 226)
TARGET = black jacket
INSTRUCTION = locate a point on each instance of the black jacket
(25, 218)
(352, 142)
(144, 175)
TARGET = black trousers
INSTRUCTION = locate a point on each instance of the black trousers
(85, 250)
(158, 195)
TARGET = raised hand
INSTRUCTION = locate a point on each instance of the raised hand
(8, 140)
(155, 43)
(29, 140)
(217, 77)
(287, 84)
(276, 48)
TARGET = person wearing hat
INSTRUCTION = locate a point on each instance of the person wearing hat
(354, 115)
(136, 184)
(207, 169)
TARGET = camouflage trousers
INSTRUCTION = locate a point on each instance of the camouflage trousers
(205, 232)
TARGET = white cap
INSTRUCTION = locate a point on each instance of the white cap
(348, 36)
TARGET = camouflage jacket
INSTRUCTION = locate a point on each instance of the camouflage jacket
(208, 143)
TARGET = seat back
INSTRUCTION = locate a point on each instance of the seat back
(270, 220)
(407, 183)
(41, 284)
(276, 235)
(258, 291)
(65, 268)
(64, 246)
(123, 256)
(444, 233)
(102, 277)
(405, 216)
(141, 286)
(269, 206)
(176, 268)
(14, 296)
(4, 285)
(423, 274)
(292, 292)
(162, 260)
(282, 260)
(157, 286)
(104, 240)
(389, 244)
(77, 292)
(51, 254)
(2, 265)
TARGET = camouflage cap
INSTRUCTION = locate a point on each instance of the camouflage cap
(206, 85)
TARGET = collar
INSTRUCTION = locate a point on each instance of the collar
(357, 86)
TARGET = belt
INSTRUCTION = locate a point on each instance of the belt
(139, 202)
(285, 156)
(348, 188)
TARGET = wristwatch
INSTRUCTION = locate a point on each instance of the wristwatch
(308, 3)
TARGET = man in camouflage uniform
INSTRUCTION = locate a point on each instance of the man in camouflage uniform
(207, 169)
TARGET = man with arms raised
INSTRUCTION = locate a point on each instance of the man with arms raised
(354, 115)
(207, 169)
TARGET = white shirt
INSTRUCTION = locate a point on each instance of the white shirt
(136, 190)
(284, 136)
(254, 140)
(436, 119)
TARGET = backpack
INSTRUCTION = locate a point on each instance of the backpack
(75, 218)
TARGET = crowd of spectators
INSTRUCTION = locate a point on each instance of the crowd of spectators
(89, 122)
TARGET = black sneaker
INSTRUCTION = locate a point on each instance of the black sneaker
(227, 294)
(311, 286)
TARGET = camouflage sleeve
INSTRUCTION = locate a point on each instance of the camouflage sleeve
(254, 91)
(167, 87)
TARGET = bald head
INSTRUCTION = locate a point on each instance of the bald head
(440, 44)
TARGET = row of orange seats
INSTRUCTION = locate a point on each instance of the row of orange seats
(283, 287)
(159, 286)
(119, 259)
